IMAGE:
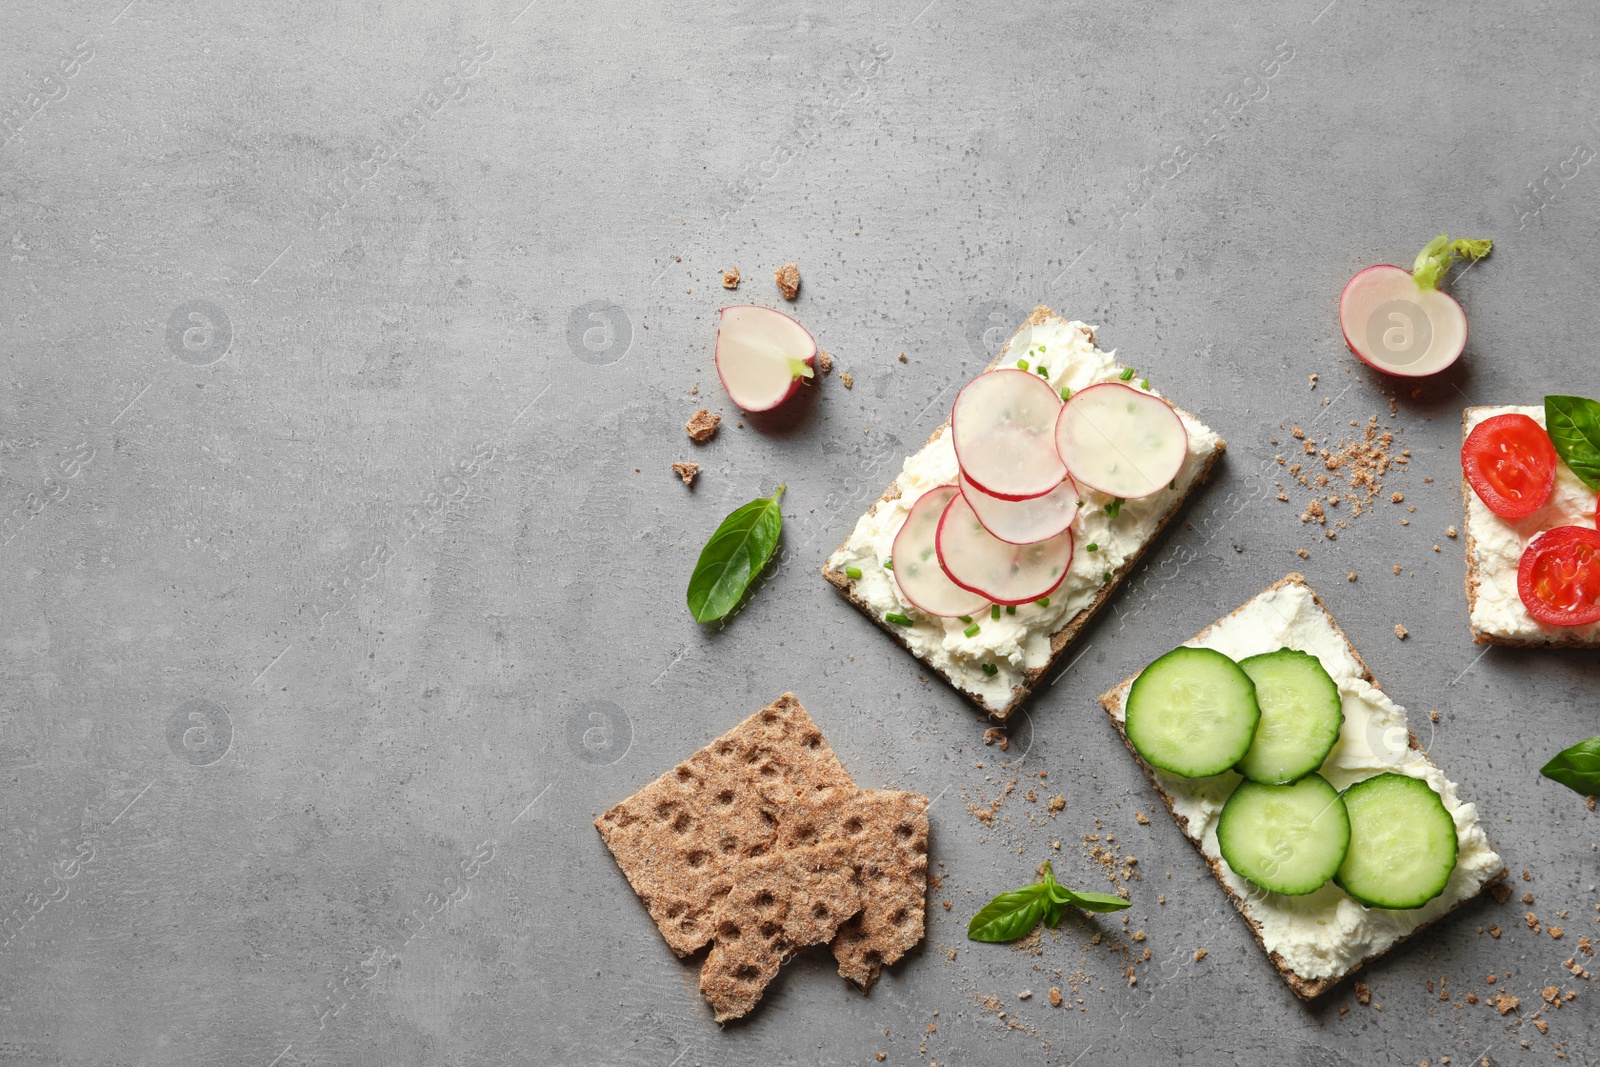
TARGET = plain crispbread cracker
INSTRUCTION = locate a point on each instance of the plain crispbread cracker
(1484, 637)
(1304, 988)
(1069, 632)
(761, 844)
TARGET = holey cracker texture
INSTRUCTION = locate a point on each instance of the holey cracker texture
(760, 844)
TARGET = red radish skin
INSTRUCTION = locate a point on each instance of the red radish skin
(1398, 321)
(1121, 441)
(763, 356)
(1004, 573)
(918, 572)
(1024, 522)
(1002, 426)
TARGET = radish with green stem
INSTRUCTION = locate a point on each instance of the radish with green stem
(1399, 321)
(762, 356)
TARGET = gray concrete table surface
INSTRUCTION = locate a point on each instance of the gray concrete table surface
(347, 347)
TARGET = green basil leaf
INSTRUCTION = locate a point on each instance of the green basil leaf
(1052, 914)
(1098, 901)
(1010, 915)
(1573, 423)
(1577, 768)
(733, 558)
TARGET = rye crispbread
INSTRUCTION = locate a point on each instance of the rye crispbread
(1061, 638)
(1572, 639)
(1303, 987)
(761, 844)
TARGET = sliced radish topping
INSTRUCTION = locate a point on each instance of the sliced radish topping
(762, 356)
(1001, 428)
(977, 560)
(1121, 440)
(1024, 522)
(916, 564)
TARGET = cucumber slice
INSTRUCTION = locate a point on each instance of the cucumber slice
(1192, 712)
(1301, 714)
(1402, 842)
(1287, 839)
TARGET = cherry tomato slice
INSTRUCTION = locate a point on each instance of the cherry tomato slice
(1559, 576)
(1511, 465)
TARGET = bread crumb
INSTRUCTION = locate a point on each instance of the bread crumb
(687, 471)
(880, 1056)
(1302, 553)
(702, 426)
(1450, 531)
(1344, 1009)
(1200, 954)
(1494, 932)
(1396, 498)
(1330, 535)
(1397, 568)
(824, 361)
(1141, 818)
(1299, 434)
(1351, 577)
(1024, 995)
(1313, 381)
(1401, 632)
(903, 357)
(1057, 803)
(1501, 892)
(1543, 1027)
(788, 279)
(848, 380)
(1504, 1003)
(1436, 548)
(1055, 997)
(1555, 932)
(730, 278)
(1138, 935)
(1363, 993)
(1433, 716)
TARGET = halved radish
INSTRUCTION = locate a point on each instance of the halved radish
(1399, 321)
(762, 355)
(1001, 427)
(916, 565)
(976, 559)
(1121, 440)
(1024, 522)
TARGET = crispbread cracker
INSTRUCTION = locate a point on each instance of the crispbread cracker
(760, 844)
(1303, 987)
(1069, 631)
(681, 838)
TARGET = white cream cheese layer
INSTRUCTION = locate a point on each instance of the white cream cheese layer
(1325, 933)
(1497, 546)
(1021, 641)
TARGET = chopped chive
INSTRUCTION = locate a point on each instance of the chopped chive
(902, 620)
(966, 618)
(1022, 364)
(1011, 609)
(994, 612)
(990, 669)
(1127, 373)
(852, 572)
(1066, 393)
(1174, 484)
(1043, 602)
(1044, 372)
(1092, 547)
(1115, 507)
(972, 631)
(1107, 578)
(888, 564)
(1145, 385)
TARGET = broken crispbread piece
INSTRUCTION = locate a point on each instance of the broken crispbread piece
(760, 844)
(681, 838)
(1317, 940)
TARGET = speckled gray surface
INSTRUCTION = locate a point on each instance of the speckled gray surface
(334, 606)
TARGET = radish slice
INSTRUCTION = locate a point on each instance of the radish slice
(1398, 320)
(1121, 440)
(1024, 522)
(977, 560)
(917, 571)
(1001, 428)
(762, 356)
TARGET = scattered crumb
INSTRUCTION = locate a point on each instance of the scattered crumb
(1351, 577)
(1363, 993)
(1401, 632)
(1302, 553)
(1436, 548)
(1141, 818)
(687, 471)
(1055, 997)
(1555, 932)
(788, 279)
(1344, 1009)
(1397, 568)
(702, 426)
(1313, 378)
(1494, 932)
(1330, 535)
(1504, 1003)
(1396, 498)
(1501, 892)
(1057, 803)
(730, 278)
(1024, 995)
(848, 380)
(1433, 716)
(880, 1056)
(1200, 954)
(824, 361)
(902, 357)
(1450, 531)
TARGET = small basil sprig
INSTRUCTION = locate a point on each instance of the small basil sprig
(733, 558)
(1577, 768)
(1573, 423)
(1012, 915)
